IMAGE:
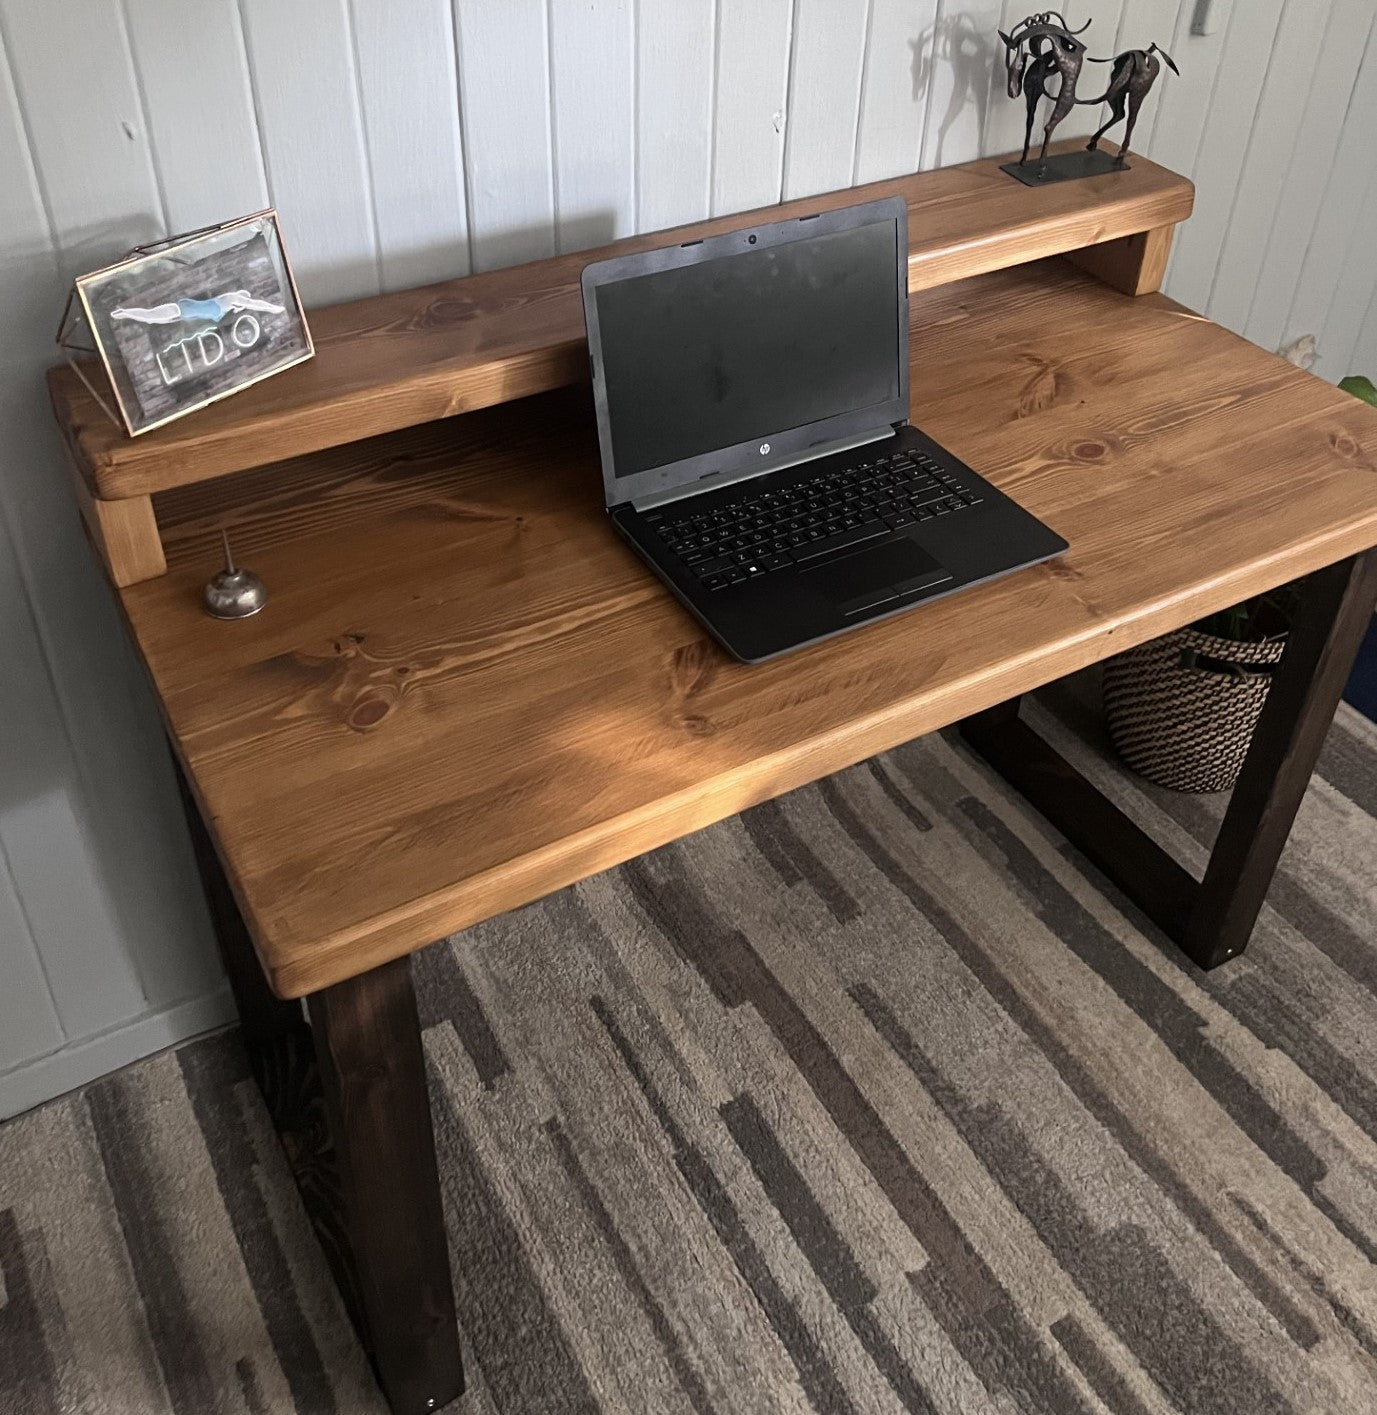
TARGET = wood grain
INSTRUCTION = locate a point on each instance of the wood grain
(396, 360)
(373, 1077)
(467, 691)
(1133, 265)
(124, 533)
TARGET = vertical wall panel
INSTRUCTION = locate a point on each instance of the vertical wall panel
(1342, 326)
(200, 110)
(1288, 305)
(1348, 312)
(114, 909)
(1292, 78)
(591, 71)
(405, 59)
(49, 860)
(28, 292)
(966, 50)
(1143, 24)
(1006, 119)
(1181, 109)
(31, 287)
(28, 1023)
(675, 71)
(1364, 357)
(889, 138)
(75, 81)
(108, 910)
(753, 39)
(121, 783)
(1231, 119)
(1256, 276)
(307, 94)
(824, 95)
(505, 94)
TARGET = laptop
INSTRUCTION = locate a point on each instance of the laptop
(752, 398)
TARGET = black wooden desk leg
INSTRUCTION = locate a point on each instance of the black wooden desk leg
(1334, 614)
(1211, 920)
(368, 1041)
(272, 1029)
(347, 1095)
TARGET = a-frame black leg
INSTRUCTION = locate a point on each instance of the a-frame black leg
(1333, 617)
(1212, 919)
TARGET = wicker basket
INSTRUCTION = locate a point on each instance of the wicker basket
(1181, 710)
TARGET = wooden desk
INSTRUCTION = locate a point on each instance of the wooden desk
(466, 691)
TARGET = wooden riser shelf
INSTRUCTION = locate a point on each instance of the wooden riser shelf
(398, 360)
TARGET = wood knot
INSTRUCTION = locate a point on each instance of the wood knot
(367, 713)
(1061, 569)
(692, 668)
(442, 313)
(1089, 451)
(1041, 390)
(1348, 447)
(696, 725)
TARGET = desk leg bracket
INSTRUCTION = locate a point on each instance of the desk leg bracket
(1211, 919)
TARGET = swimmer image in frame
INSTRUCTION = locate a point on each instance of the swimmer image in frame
(212, 310)
(204, 348)
(188, 321)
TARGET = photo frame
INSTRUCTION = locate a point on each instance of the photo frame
(185, 322)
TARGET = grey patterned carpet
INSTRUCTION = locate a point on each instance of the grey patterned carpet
(871, 1100)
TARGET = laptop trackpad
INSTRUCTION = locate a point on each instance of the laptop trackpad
(874, 576)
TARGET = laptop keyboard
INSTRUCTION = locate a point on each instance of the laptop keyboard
(762, 532)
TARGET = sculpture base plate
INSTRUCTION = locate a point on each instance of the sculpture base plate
(1065, 167)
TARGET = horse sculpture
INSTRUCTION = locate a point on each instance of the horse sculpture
(1042, 46)
(1050, 49)
(1131, 80)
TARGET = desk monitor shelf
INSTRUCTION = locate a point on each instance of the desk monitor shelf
(394, 361)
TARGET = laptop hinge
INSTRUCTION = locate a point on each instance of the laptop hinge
(713, 481)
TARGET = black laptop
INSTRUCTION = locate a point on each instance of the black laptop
(753, 405)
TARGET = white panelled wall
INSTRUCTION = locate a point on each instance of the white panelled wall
(404, 141)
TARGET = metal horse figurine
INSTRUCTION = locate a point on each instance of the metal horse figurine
(1133, 76)
(1037, 50)
(1042, 46)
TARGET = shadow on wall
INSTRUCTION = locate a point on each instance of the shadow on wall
(88, 248)
(588, 229)
(955, 45)
(516, 245)
(85, 764)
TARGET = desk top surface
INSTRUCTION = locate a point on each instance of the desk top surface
(466, 691)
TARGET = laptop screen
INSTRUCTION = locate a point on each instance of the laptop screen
(750, 344)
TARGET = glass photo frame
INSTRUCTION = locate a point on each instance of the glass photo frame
(191, 320)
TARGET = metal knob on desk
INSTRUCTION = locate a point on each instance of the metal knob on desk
(234, 593)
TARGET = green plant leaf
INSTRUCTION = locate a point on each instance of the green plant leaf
(1360, 387)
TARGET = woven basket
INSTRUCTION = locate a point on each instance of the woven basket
(1181, 710)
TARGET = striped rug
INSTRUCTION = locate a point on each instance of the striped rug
(870, 1100)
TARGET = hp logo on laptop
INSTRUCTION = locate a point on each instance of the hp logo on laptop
(764, 449)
